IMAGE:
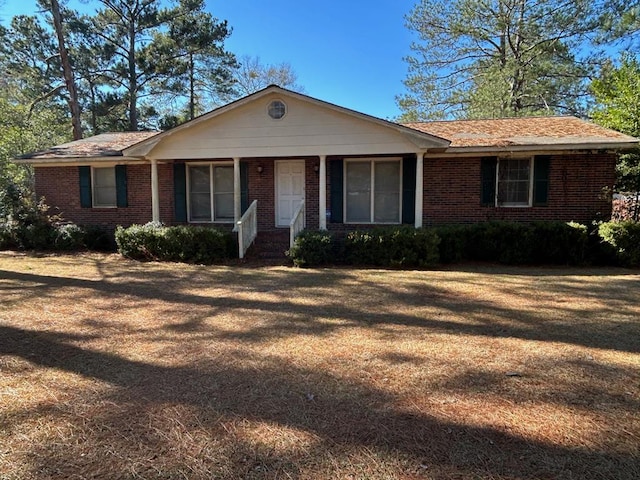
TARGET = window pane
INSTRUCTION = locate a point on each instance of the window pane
(358, 191)
(387, 192)
(199, 179)
(223, 205)
(199, 194)
(223, 179)
(104, 187)
(513, 181)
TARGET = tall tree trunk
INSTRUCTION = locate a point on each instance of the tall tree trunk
(192, 89)
(133, 80)
(67, 71)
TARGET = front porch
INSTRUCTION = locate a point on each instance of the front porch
(253, 195)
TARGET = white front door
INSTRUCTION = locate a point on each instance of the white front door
(289, 189)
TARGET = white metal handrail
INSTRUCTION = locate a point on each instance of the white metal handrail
(297, 223)
(247, 228)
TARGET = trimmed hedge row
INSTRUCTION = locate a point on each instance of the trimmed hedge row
(536, 243)
(514, 243)
(175, 244)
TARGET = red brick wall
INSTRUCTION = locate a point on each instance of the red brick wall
(453, 188)
(452, 193)
(61, 188)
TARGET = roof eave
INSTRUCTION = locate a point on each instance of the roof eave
(565, 147)
(77, 161)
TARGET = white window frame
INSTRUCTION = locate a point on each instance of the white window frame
(372, 161)
(531, 181)
(211, 166)
(94, 204)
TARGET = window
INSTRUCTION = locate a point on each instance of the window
(210, 193)
(373, 191)
(277, 109)
(104, 186)
(514, 182)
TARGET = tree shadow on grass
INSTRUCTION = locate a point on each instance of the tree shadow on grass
(341, 416)
(372, 306)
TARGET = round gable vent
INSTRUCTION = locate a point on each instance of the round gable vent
(277, 109)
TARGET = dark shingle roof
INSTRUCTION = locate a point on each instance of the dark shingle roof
(103, 145)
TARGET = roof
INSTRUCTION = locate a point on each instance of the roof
(103, 145)
(450, 137)
(529, 132)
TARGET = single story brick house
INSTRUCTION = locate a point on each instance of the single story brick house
(294, 158)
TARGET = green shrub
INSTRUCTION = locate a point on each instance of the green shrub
(503, 242)
(558, 243)
(99, 239)
(68, 237)
(514, 243)
(312, 248)
(392, 247)
(624, 238)
(179, 244)
(453, 242)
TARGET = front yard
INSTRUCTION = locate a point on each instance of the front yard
(115, 369)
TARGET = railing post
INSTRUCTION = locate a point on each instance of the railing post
(239, 229)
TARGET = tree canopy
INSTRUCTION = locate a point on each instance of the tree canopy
(497, 58)
(617, 95)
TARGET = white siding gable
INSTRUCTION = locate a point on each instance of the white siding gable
(308, 129)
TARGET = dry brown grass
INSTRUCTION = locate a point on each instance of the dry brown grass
(116, 369)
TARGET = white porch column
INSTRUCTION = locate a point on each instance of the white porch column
(237, 205)
(155, 194)
(419, 188)
(322, 201)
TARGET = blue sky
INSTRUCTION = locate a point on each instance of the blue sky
(348, 52)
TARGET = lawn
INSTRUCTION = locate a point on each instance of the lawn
(116, 369)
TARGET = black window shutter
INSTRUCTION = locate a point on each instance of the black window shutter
(337, 184)
(541, 180)
(409, 190)
(85, 187)
(244, 186)
(488, 167)
(121, 186)
(180, 192)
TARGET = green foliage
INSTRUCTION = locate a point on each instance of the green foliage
(617, 95)
(312, 248)
(503, 242)
(624, 238)
(453, 242)
(392, 247)
(475, 58)
(26, 224)
(514, 243)
(188, 244)
(558, 243)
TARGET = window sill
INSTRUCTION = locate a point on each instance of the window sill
(104, 206)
